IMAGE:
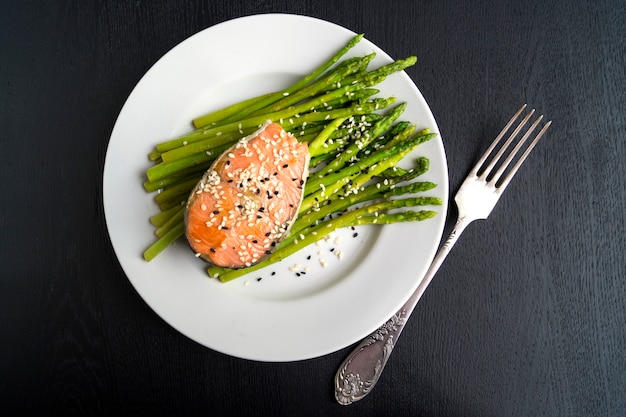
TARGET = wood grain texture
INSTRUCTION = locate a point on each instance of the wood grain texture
(526, 317)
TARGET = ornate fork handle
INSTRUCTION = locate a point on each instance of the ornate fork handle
(360, 371)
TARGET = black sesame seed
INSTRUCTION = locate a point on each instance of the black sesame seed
(286, 166)
(255, 241)
(308, 257)
(227, 162)
(267, 234)
(225, 228)
(268, 252)
(355, 235)
(259, 279)
(261, 209)
(212, 250)
(297, 274)
(332, 249)
(273, 273)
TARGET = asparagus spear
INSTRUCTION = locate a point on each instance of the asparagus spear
(329, 82)
(216, 116)
(202, 121)
(164, 241)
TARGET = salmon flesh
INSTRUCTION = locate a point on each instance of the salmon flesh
(246, 202)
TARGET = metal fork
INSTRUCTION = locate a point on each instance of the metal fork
(475, 200)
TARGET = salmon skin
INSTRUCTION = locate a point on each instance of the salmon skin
(248, 199)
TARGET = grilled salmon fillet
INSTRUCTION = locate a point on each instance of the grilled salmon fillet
(248, 199)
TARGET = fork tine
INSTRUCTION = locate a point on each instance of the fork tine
(521, 160)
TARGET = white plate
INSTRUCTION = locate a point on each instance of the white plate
(283, 317)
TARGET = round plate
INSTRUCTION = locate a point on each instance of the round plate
(352, 282)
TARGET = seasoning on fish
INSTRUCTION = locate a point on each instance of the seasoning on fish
(248, 199)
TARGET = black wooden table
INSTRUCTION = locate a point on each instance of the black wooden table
(527, 317)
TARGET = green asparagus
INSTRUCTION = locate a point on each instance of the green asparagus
(355, 142)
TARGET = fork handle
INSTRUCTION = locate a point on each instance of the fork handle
(360, 371)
